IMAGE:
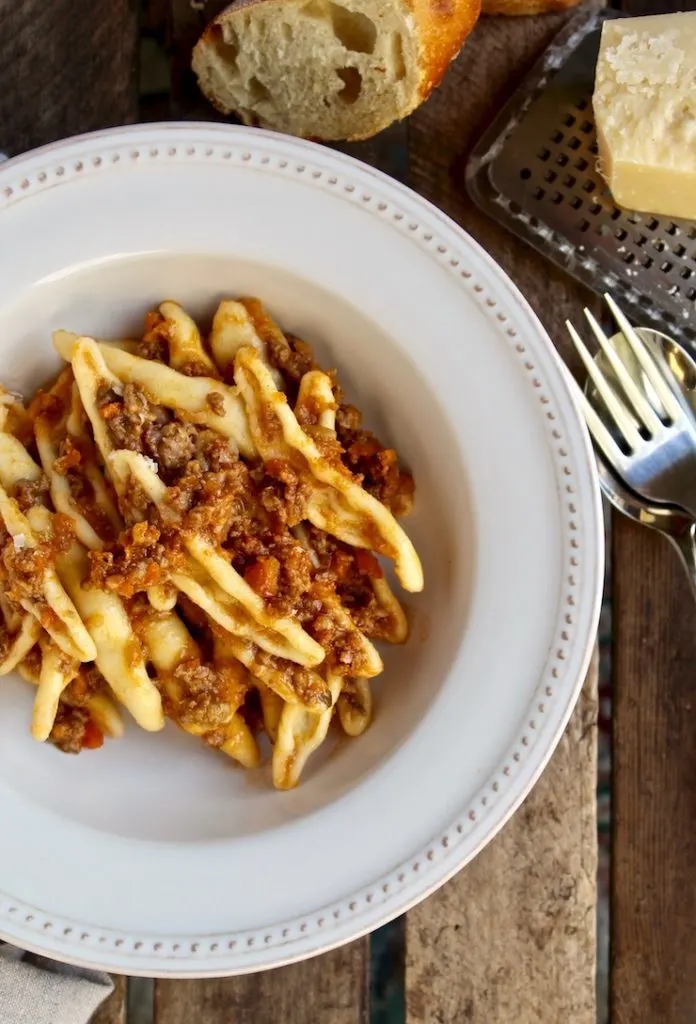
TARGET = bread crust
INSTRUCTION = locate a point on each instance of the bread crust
(515, 8)
(442, 26)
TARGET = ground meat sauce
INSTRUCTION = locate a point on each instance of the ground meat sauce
(142, 557)
(206, 696)
(28, 493)
(351, 571)
(375, 466)
(74, 456)
(249, 511)
(74, 729)
(22, 568)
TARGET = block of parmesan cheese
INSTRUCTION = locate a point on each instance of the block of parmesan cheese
(645, 112)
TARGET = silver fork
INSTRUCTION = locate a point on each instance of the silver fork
(653, 447)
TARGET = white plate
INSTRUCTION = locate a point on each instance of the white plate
(153, 855)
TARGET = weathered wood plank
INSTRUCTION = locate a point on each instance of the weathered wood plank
(113, 1010)
(442, 133)
(512, 937)
(332, 988)
(653, 909)
(654, 796)
(65, 67)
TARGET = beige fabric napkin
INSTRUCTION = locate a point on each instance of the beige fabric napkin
(35, 990)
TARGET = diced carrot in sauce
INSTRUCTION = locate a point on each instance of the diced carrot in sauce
(262, 575)
(108, 411)
(93, 738)
(368, 565)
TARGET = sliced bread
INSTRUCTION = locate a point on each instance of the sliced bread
(329, 70)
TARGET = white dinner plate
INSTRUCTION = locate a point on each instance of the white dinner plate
(155, 856)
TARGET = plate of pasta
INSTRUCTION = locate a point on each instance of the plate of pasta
(300, 550)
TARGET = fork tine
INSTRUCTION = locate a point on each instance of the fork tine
(623, 419)
(599, 433)
(641, 406)
(646, 360)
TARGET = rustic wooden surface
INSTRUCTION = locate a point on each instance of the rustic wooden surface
(65, 67)
(531, 958)
(332, 989)
(113, 1010)
(654, 793)
(515, 928)
(511, 939)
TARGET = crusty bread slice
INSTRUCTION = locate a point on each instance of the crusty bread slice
(326, 69)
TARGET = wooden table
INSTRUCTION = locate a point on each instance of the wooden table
(511, 940)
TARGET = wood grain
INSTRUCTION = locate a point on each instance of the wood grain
(442, 133)
(653, 970)
(65, 67)
(512, 937)
(113, 1010)
(331, 989)
(654, 794)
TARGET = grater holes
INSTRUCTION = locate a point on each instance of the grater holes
(666, 266)
(569, 181)
(584, 225)
(561, 159)
(585, 127)
(550, 177)
(581, 164)
(672, 229)
(574, 142)
(576, 202)
(544, 154)
(581, 105)
(525, 174)
(621, 234)
(679, 251)
(648, 262)
(539, 193)
(557, 137)
(653, 224)
(557, 198)
(589, 186)
(594, 149)
(641, 240)
(615, 213)
(595, 208)
(691, 294)
(628, 258)
(685, 273)
(569, 120)
(659, 244)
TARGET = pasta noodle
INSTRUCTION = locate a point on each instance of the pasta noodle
(199, 540)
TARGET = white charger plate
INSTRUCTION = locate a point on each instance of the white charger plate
(153, 856)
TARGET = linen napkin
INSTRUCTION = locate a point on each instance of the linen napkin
(36, 990)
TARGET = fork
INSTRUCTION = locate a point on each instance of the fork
(653, 444)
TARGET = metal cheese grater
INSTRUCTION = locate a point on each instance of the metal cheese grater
(535, 171)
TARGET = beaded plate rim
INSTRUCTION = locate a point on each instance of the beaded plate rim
(578, 612)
